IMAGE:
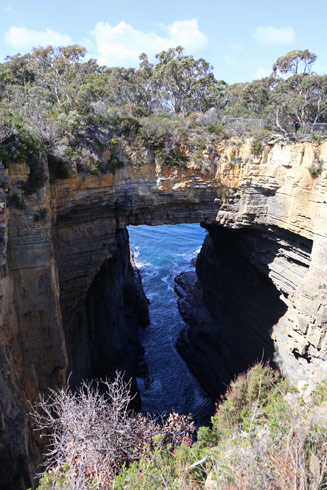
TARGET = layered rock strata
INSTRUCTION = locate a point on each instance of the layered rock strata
(62, 247)
(32, 344)
(282, 193)
(103, 335)
(243, 280)
(70, 300)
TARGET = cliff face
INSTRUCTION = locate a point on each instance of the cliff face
(68, 295)
(282, 194)
(102, 336)
(32, 352)
(70, 301)
(262, 269)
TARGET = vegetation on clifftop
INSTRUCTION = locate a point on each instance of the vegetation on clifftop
(263, 435)
(81, 114)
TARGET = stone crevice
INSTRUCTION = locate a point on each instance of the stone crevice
(50, 267)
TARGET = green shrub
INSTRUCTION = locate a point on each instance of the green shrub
(318, 137)
(23, 147)
(93, 433)
(319, 394)
(54, 481)
(70, 123)
(36, 177)
(177, 157)
(315, 170)
(124, 125)
(160, 469)
(257, 143)
(113, 164)
(15, 201)
(218, 129)
(263, 435)
(20, 147)
(153, 137)
(256, 147)
(41, 215)
(156, 469)
(259, 386)
(268, 437)
(139, 111)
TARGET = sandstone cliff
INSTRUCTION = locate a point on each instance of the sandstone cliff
(282, 194)
(261, 271)
(63, 254)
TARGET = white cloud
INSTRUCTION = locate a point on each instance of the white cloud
(116, 45)
(274, 36)
(122, 44)
(21, 38)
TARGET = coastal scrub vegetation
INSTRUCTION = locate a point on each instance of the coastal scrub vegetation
(56, 102)
(262, 435)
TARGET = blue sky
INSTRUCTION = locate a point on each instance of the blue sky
(241, 39)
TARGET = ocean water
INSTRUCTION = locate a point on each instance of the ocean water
(161, 253)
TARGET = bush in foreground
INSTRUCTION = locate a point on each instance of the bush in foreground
(268, 437)
(263, 436)
(92, 434)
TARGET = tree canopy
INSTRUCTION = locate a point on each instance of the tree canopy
(53, 93)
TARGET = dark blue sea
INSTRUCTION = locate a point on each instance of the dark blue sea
(161, 253)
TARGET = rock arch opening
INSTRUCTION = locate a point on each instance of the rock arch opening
(166, 383)
(238, 294)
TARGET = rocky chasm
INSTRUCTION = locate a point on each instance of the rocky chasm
(71, 302)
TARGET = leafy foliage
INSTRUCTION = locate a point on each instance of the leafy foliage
(263, 435)
(20, 146)
(292, 62)
(57, 168)
(257, 143)
(54, 101)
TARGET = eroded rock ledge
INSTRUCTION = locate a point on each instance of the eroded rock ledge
(59, 250)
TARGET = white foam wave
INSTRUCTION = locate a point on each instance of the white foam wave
(169, 281)
(139, 263)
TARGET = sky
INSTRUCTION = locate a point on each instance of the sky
(240, 39)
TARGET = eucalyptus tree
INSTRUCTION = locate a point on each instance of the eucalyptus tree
(298, 92)
(249, 99)
(19, 71)
(295, 62)
(185, 84)
(61, 71)
(302, 97)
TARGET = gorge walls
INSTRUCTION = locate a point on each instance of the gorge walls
(282, 193)
(70, 301)
(234, 304)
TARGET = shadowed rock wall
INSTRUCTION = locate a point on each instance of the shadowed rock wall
(53, 246)
(102, 336)
(243, 280)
